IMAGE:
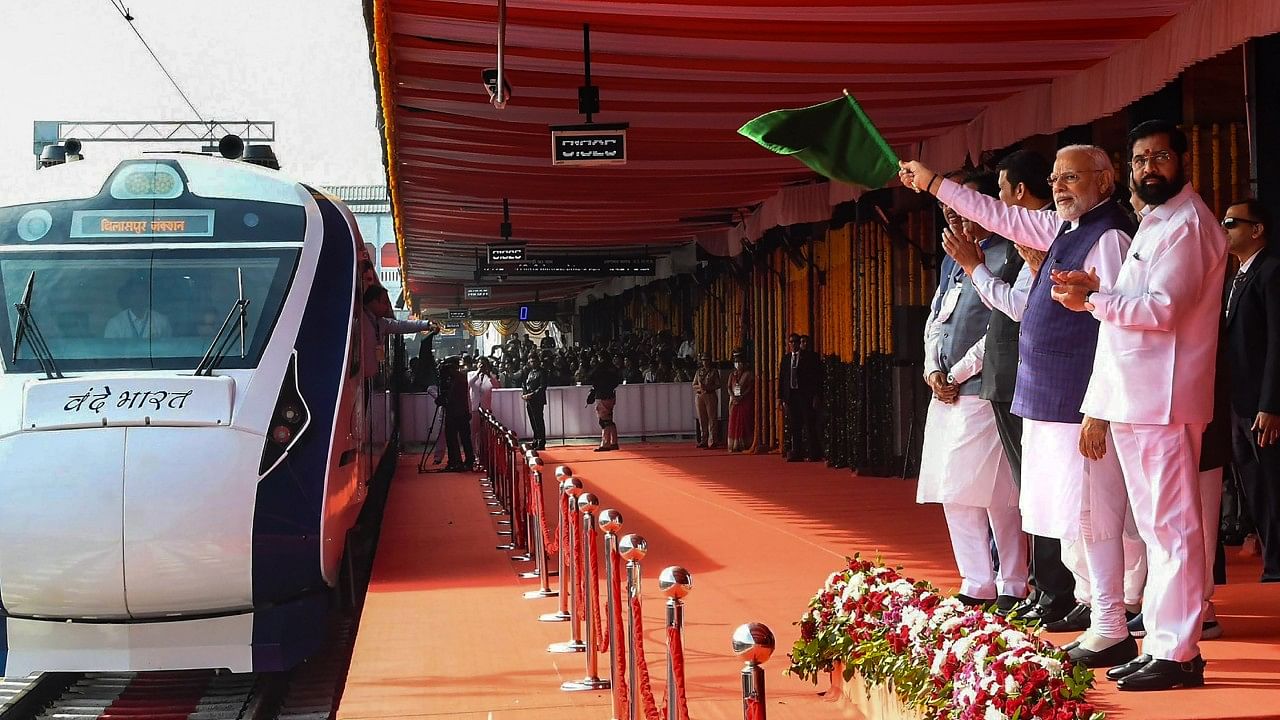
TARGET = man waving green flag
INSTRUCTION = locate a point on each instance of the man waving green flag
(836, 139)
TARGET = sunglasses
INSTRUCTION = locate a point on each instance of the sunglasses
(1231, 223)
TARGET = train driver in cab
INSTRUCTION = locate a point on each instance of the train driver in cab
(136, 320)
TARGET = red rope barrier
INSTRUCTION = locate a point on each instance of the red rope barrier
(563, 544)
(755, 711)
(601, 632)
(619, 658)
(550, 542)
(579, 567)
(677, 671)
(643, 685)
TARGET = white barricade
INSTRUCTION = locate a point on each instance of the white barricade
(642, 410)
(416, 413)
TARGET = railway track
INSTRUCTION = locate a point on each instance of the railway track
(309, 692)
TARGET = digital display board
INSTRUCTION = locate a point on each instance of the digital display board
(537, 311)
(596, 144)
(475, 293)
(459, 313)
(141, 223)
(506, 253)
(580, 267)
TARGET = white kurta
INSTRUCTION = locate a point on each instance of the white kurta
(962, 460)
(1062, 490)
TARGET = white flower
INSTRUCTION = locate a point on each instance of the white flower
(1053, 666)
(980, 656)
(855, 589)
(992, 713)
(1010, 685)
(961, 648)
(1014, 638)
(938, 659)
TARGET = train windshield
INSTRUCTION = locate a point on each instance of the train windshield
(141, 308)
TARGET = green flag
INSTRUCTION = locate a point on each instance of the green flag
(834, 138)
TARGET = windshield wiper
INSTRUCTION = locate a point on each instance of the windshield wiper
(222, 340)
(27, 326)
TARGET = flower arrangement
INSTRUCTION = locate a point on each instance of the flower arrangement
(946, 660)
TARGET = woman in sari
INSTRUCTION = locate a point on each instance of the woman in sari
(741, 404)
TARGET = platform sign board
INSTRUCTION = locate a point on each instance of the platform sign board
(477, 292)
(499, 254)
(580, 267)
(596, 144)
(459, 313)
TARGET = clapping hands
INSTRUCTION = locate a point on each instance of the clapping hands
(1071, 288)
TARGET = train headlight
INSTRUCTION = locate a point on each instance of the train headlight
(291, 413)
(34, 224)
(146, 181)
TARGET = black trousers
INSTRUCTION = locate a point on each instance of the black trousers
(1054, 584)
(1259, 470)
(457, 431)
(537, 421)
(802, 427)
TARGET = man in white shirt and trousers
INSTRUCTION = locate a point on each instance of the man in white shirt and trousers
(1153, 381)
(963, 465)
(1066, 493)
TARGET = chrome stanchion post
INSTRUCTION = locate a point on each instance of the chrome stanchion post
(675, 582)
(633, 548)
(572, 487)
(520, 513)
(538, 544)
(611, 522)
(570, 580)
(587, 505)
(502, 486)
(486, 479)
(494, 475)
(754, 643)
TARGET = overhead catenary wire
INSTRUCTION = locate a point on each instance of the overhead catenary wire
(119, 7)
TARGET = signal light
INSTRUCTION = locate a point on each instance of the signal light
(281, 434)
(288, 420)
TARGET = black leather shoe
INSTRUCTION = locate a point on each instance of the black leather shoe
(1165, 675)
(1074, 621)
(1071, 646)
(1129, 668)
(972, 601)
(1118, 654)
(1006, 604)
(1136, 628)
(1044, 614)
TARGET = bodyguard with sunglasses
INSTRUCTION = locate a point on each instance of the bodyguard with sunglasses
(1252, 354)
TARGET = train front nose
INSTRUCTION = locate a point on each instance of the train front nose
(131, 522)
(119, 509)
(61, 525)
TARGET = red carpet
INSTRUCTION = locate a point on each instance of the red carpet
(445, 632)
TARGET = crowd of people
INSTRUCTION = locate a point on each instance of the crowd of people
(466, 383)
(1092, 373)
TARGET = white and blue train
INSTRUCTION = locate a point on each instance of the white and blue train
(186, 434)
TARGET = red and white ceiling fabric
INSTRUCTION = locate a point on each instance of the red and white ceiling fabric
(940, 78)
